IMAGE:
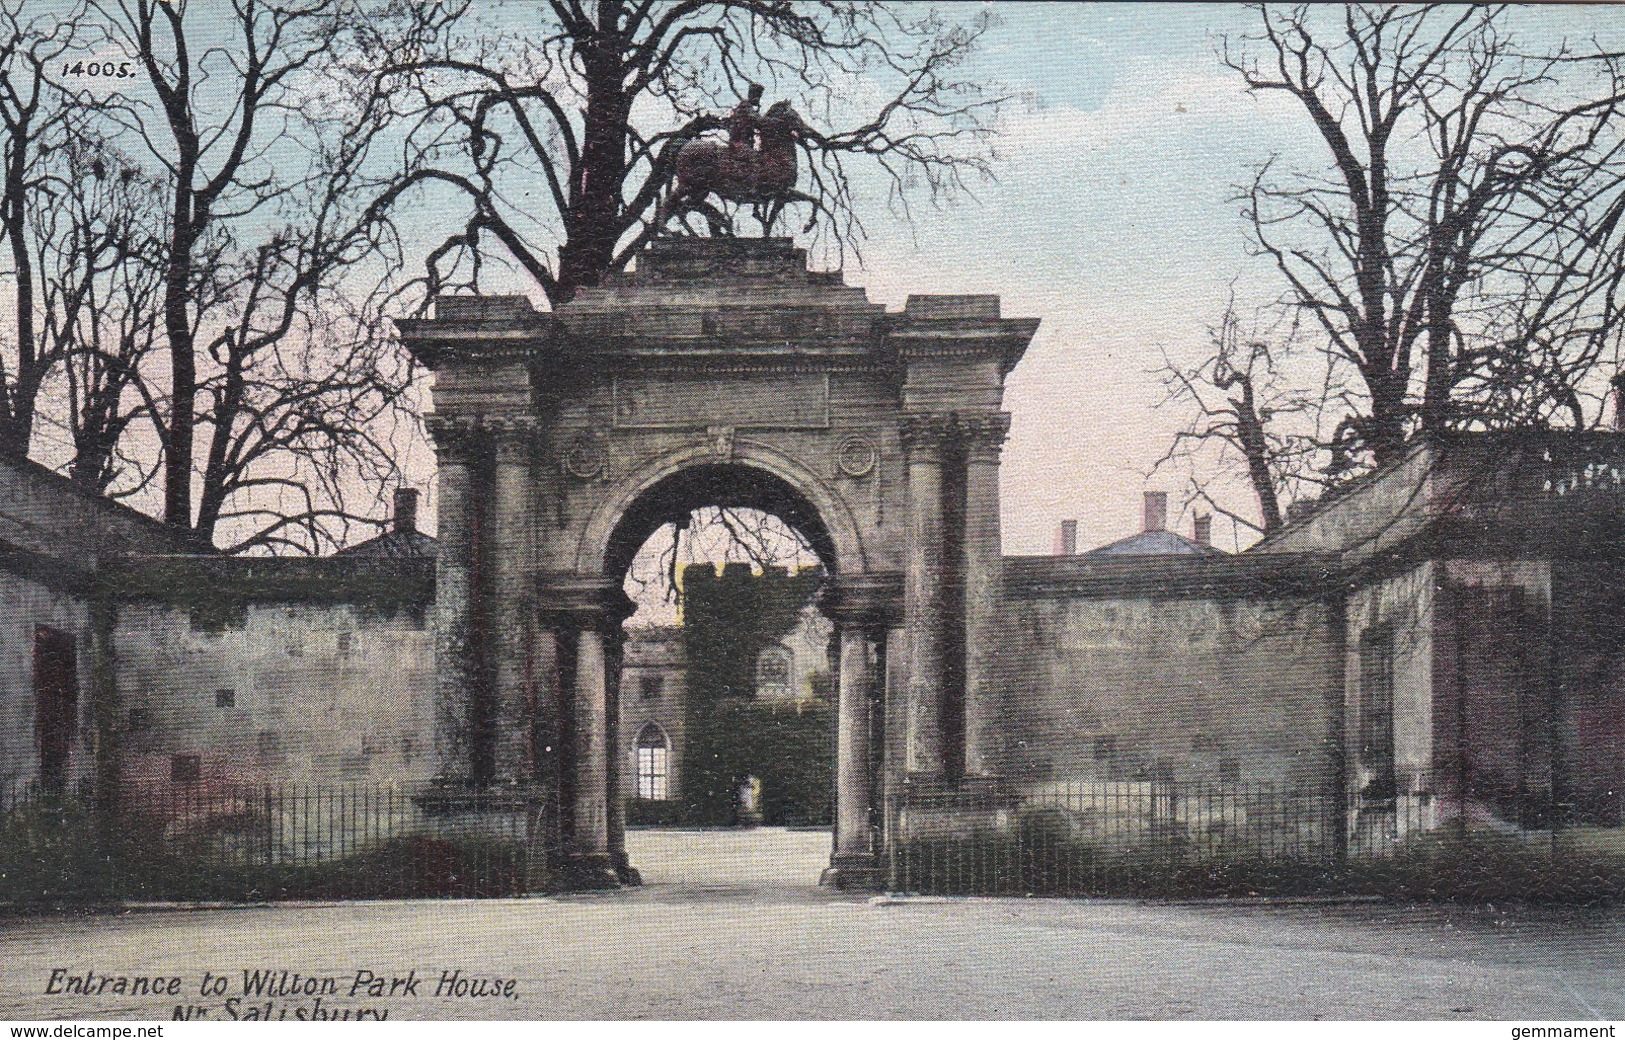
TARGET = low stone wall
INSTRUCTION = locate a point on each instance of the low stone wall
(1194, 669)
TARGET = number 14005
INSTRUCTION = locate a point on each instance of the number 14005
(109, 69)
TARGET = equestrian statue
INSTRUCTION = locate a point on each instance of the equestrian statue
(757, 166)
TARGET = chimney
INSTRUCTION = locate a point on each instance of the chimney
(1202, 529)
(1619, 402)
(1156, 511)
(406, 510)
(1066, 538)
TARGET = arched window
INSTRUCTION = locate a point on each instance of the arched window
(654, 764)
(773, 673)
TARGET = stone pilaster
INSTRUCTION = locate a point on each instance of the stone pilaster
(104, 705)
(457, 446)
(862, 606)
(924, 591)
(983, 569)
(589, 611)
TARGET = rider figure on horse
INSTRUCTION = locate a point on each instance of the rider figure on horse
(742, 123)
(757, 166)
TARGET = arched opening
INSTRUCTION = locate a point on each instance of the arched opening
(674, 499)
(727, 706)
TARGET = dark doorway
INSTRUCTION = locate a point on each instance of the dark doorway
(56, 704)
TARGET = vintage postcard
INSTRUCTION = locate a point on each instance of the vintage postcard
(746, 510)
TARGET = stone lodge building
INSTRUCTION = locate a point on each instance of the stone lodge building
(1439, 642)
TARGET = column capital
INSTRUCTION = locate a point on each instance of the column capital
(863, 600)
(582, 601)
(513, 436)
(924, 434)
(457, 439)
(980, 434)
(460, 438)
(984, 435)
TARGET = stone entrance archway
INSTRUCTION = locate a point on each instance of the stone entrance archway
(721, 369)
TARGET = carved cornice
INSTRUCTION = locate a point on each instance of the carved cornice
(455, 439)
(865, 600)
(513, 437)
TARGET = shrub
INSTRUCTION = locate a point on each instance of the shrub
(55, 852)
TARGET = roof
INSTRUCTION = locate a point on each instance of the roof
(1155, 543)
(396, 545)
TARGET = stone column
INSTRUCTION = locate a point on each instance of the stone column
(455, 687)
(923, 437)
(590, 865)
(614, 649)
(983, 568)
(861, 606)
(592, 608)
(511, 562)
(854, 836)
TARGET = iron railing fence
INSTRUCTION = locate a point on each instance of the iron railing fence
(1127, 837)
(297, 839)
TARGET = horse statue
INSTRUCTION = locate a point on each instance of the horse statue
(764, 177)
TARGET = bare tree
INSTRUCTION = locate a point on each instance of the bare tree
(1246, 416)
(561, 125)
(32, 114)
(1462, 252)
(97, 238)
(281, 383)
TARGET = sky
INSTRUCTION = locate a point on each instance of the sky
(1113, 221)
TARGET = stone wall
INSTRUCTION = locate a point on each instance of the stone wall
(1589, 662)
(1493, 692)
(1177, 668)
(1399, 610)
(317, 693)
(51, 534)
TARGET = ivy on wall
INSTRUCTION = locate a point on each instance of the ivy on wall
(728, 620)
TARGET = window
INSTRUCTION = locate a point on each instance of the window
(225, 698)
(186, 768)
(650, 687)
(1377, 713)
(654, 764)
(773, 673)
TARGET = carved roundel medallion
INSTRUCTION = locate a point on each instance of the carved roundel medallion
(585, 459)
(856, 456)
